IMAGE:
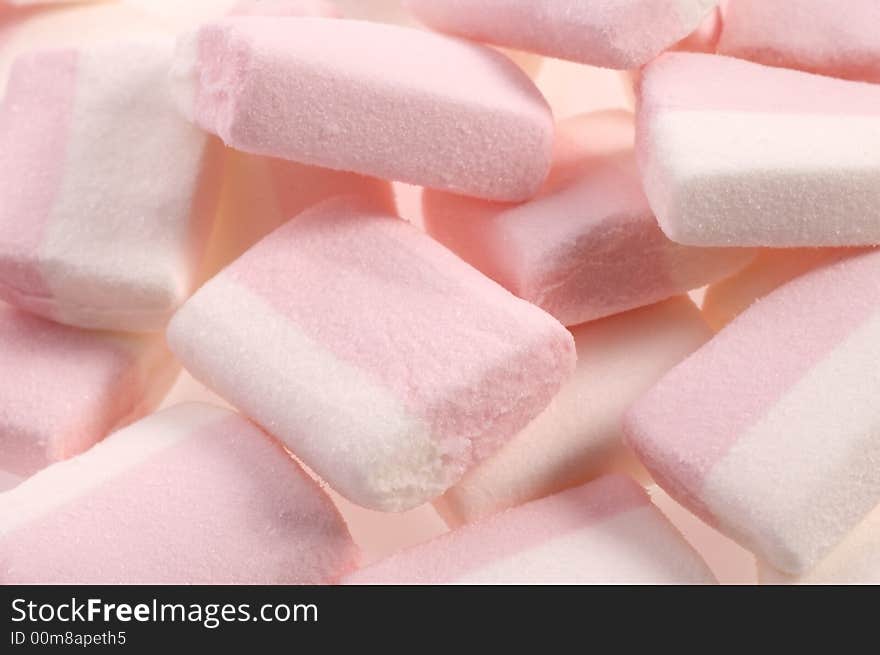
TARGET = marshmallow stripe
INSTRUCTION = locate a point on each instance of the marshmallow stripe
(149, 263)
(706, 82)
(35, 122)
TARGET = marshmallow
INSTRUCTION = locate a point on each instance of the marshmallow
(261, 193)
(812, 35)
(738, 154)
(64, 389)
(191, 495)
(385, 363)
(618, 35)
(855, 561)
(727, 299)
(375, 99)
(588, 246)
(769, 431)
(605, 532)
(579, 435)
(106, 193)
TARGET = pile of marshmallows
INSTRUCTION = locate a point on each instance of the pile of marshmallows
(217, 176)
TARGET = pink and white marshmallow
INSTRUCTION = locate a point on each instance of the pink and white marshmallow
(64, 389)
(588, 245)
(384, 362)
(605, 532)
(770, 431)
(580, 436)
(192, 495)
(618, 35)
(107, 194)
(380, 100)
(734, 153)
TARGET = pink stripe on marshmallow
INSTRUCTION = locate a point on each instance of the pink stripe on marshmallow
(707, 82)
(35, 121)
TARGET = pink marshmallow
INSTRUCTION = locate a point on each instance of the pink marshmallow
(727, 299)
(855, 561)
(106, 193)
(579, 436)
(618, 35)
(770, 430)
(64, 389)
(192, 495)
(606, 532)
(385, 363)
(829, 38)
(588, 246)
(380, 100)
(738, 154)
